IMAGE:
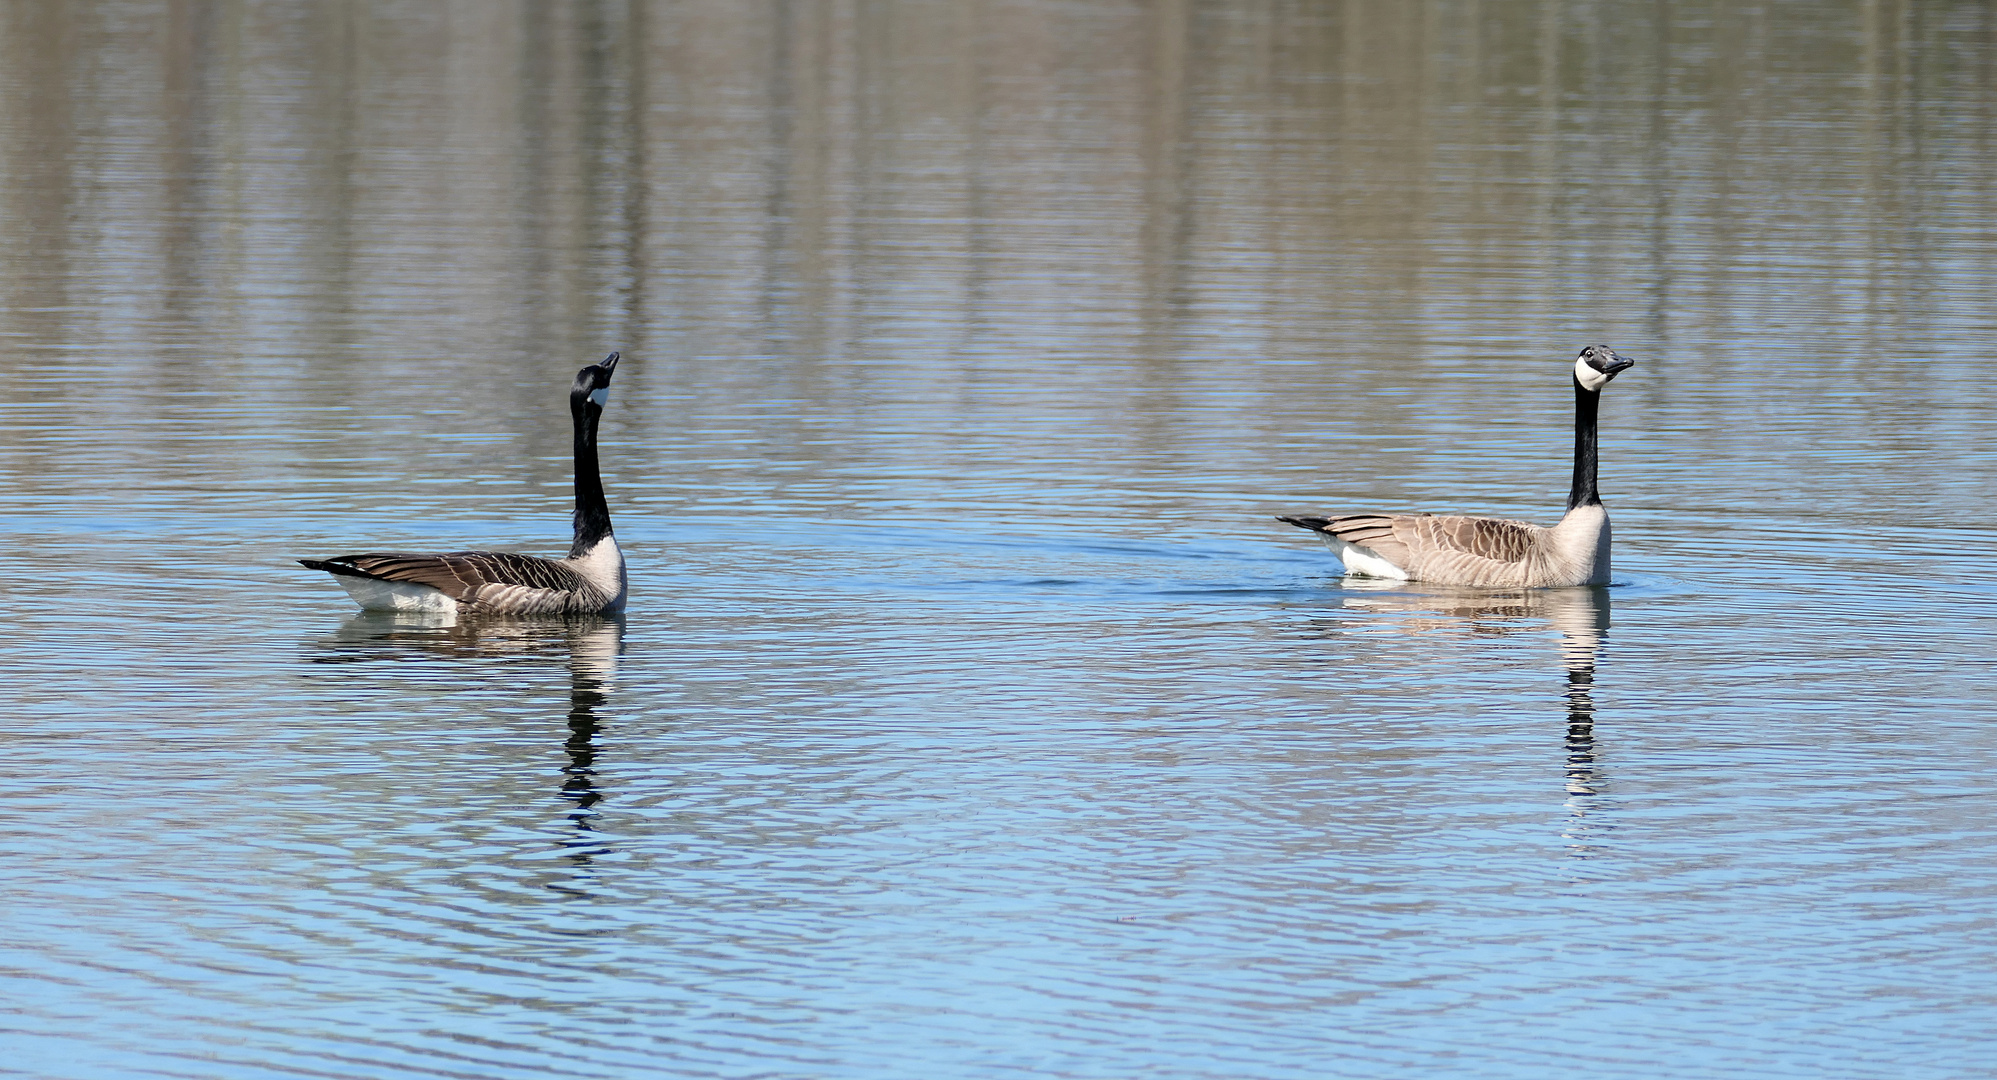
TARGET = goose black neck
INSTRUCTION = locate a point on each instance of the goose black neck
(1586, 403)
(592, 512)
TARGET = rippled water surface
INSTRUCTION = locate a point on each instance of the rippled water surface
(973, 717)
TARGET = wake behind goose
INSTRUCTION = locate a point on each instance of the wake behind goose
(590, 580)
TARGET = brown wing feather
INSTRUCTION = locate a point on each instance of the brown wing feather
(460, 574)
(1487, 538)
(506, 568)
(1455, 549)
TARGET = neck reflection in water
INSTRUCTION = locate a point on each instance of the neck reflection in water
(1582, 618)
(589, 646)
(1580, 615)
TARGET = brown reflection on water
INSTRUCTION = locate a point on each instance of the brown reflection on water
(567, 174)
(1201, 227)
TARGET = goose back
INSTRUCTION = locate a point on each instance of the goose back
(491, 582)
(1476, 551)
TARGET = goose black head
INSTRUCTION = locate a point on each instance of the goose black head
(593, 384)
(1597, 364)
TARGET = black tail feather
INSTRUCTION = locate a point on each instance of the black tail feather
(1314, 524)
(333, 568)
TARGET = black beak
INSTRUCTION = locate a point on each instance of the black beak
(593, 382)
(1616, 363)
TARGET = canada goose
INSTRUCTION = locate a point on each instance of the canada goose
(1490, 552)
(589, 581)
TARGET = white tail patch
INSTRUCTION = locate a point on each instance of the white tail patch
(375, 595)
(1359, 560)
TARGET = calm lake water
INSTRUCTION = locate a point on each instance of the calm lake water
(973, 718)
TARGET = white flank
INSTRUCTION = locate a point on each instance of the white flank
(1359, 560)
(603, 567)
(374, 595)
(1577, 549)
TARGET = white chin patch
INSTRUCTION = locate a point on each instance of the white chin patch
(1589, 377)
(600, 395)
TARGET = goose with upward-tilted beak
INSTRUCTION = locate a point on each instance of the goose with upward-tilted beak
(590, 581)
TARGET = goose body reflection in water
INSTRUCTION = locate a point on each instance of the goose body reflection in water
(588, 647)
(1581, 618)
